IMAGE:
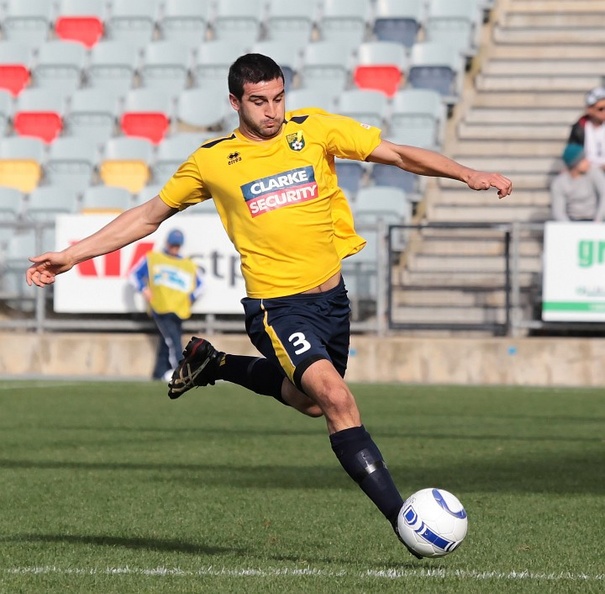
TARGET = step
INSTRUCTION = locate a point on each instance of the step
(529, 147)
(475, 264)
(520, 196)
(542, 67)
(508, 165)
(413, 297)
(503, 212)
(521, 180)
(527, 99)
(520, 115)
(543, 51)
(554, 6)
(468, 247)
(449, 315)
(539, 36)
(513, 132)
(548, 83)
(549, 19)
(460, 280)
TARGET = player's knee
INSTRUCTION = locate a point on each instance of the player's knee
(313, 410)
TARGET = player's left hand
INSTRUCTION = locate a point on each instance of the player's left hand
(482, 180)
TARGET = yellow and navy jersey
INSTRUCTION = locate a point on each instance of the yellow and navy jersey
(279, 199)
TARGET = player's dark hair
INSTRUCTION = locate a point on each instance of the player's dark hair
(251, 68)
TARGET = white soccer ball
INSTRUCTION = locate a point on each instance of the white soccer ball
(432, 522)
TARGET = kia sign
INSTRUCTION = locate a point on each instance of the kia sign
(102, 285)
(574, 272)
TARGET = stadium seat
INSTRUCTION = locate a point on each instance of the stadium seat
(287, 55)
(15, 64)
(92, 114)
(27, 21)
(106, 199)
(201, 109)
(185, 21)
(147, 193)
(71, 162)
(212, 62)
(238, 21)
(345, 21)
(366, 106)
(374, 203)
(436, 66)
(393, 177)
(299, 98)
(46, 202)
(11, 202)
(326, 65)
(418, 117)
(172, 151)
(455, 23)
(360, 273)
(6, 110)
(39, 113)
(21, 162)
(126, 163)
(291, 21)
(81, 20)
(132, 21)
(60, 66)
(399, 20)
(113, 65)
(381, 66)
(350, 175)
(147, 114)
(21, 245)
(165, 65)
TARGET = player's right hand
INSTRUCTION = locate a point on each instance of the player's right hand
(45, 268)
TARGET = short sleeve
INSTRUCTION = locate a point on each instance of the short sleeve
(185, 187)
(347, 138)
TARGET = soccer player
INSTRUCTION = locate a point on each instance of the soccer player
(274, 186)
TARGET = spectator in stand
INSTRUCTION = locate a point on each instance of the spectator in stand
(578, 192)
(589, 130)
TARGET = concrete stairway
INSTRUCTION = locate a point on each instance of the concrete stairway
(525, 89)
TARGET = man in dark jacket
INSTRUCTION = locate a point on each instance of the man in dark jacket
(589, 130)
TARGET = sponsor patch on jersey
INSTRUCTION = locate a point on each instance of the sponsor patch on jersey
(296, 141)
(283, 189)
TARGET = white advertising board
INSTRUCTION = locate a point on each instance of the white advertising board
(574, 272)
(101, 285)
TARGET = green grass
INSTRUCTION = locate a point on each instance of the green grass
(112, 487)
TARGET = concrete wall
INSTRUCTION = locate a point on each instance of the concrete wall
(526, 361)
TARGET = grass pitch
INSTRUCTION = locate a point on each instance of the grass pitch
(112, 487)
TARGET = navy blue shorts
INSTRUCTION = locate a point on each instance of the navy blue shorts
(295, 331)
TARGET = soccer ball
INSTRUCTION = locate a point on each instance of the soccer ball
(432, 522)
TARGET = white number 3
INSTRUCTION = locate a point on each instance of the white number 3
(298, 340)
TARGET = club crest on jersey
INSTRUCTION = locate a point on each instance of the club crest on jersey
(279, 190)
(296, 141)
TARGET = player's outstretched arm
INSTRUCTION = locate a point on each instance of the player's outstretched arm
(129, 226)
(425, 162)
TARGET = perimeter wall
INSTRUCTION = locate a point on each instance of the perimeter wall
(524, 361)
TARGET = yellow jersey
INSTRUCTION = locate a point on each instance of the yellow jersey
(279, 199)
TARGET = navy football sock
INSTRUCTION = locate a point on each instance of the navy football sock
(361, 458)
(255, 373)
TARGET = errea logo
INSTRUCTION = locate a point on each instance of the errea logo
(234, 157)
(113, 264)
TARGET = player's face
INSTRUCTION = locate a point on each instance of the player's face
(261, 109)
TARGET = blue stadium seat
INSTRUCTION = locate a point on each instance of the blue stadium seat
(399, 20)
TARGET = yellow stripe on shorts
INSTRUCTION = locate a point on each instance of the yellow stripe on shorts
(280, 351)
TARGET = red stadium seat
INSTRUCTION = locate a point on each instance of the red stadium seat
(14, 78)
(151, 125)
(386, 78)
(85, 29)
(46, 125)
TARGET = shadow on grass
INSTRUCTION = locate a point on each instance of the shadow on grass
(538, 472)
(148, 544)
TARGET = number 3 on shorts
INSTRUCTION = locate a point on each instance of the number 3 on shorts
(298, 340)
